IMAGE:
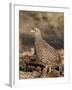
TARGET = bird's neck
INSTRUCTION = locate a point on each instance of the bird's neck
(38, 37)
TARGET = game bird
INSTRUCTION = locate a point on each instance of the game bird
(46, 54)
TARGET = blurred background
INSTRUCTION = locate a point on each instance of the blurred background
(51, 25)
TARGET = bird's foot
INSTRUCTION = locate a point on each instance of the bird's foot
(45, 72)
(50, 69)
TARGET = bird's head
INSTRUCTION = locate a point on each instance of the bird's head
(36, 31)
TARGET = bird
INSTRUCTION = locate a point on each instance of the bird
(46, 54)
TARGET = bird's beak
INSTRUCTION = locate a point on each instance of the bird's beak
(32, 31)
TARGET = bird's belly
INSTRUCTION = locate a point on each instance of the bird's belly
(46, 57)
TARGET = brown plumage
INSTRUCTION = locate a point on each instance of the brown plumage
(46, 54)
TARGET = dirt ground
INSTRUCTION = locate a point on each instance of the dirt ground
(51, 25)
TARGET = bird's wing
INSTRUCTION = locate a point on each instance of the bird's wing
(46, 52)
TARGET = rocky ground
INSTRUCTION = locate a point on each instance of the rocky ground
(30, 68)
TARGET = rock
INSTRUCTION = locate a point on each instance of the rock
(29, 75)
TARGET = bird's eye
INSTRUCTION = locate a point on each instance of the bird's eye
(35, 29)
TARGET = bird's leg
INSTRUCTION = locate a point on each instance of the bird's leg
(50, 69)
(45, 71)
